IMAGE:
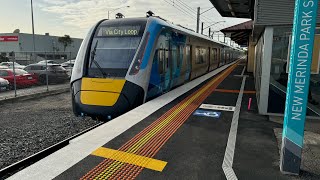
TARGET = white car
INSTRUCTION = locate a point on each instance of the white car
(9, 65)
(68, 66)
(4, 84)
(48, 62)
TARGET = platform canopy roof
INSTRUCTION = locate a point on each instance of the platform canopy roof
(239, 33)
(235, 8)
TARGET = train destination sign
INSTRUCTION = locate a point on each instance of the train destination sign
(119, 31)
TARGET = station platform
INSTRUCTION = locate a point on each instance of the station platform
(206, 129)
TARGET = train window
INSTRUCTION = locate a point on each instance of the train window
(161, 58)
(214, 55)
(188, 54)
(115, 46)
(166, 53)
(201, 55)
(180, 59)
(174, 55)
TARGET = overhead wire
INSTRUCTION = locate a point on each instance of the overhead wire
(181, 10)
(191, 12)
(192, 9)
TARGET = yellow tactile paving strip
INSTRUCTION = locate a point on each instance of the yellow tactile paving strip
(125, 157)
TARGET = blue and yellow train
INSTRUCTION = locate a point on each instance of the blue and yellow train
(122, 63)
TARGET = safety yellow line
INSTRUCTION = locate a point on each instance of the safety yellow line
(130, 158)
(133, 149)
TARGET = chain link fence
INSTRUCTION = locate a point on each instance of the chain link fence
(26, 73)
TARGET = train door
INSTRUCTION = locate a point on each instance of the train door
(218, 56)
(174, 59)
(188, 62)
(167, 67)
(209, 59)
(164, 66)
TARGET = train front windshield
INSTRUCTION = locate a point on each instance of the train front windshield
(113, 49)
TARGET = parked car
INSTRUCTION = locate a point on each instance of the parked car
(10, 65)
(48, 62)
(4, 84)
(68, 66)
(56, 73)
(23, 78)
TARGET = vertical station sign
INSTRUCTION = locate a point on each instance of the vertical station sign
(298, 85)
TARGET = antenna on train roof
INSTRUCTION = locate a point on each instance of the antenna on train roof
(149, 13)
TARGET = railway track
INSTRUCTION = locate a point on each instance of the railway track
(16, 167)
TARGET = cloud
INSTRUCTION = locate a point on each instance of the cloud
(83, 14)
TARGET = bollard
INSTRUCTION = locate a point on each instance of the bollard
(249, 104)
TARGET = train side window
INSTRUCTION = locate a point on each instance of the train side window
(161, 58)
(167, 57)
(188, 54)
(201, 55)
(214, 55)
(178, 56)
(198, 52)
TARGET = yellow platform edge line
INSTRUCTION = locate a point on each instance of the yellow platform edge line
(150, 163)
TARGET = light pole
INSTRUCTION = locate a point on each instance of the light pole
(115, 10)
(34, 43)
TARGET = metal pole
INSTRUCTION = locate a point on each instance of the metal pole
(47, 77)
(209, 31)
(108, 14)
(202, 28)
(34, 43)
(14, 74)
(198, 18)
(304, 23)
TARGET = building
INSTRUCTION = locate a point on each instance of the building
(268, 38)
(46, 47)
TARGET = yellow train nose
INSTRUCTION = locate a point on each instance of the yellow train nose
(101, 92)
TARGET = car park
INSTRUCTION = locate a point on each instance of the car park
(4, 84)
(10, 65)
(55, 72)
(22, 78)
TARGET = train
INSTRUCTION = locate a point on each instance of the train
(123, 63)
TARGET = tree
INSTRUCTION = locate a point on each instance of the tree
(66, 41)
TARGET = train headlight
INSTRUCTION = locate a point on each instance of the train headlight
(138, 61)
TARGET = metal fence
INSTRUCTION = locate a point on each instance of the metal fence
(27, 73)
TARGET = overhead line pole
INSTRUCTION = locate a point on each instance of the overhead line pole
(198, 19)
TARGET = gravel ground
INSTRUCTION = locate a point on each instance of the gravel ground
(28, 127)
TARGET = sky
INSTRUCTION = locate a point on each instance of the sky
(76, 17)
